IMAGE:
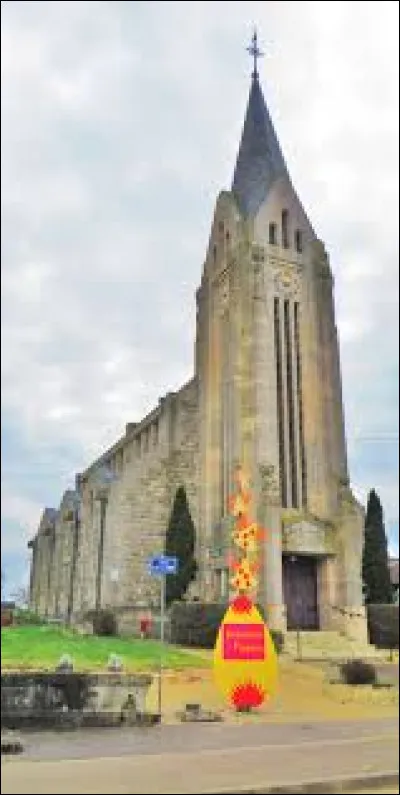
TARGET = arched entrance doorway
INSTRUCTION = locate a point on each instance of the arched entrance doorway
(300, 587)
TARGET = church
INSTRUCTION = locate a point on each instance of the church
(266, 393)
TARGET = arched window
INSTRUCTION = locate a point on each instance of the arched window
(298, 240)
(272, 235)
(285, 228)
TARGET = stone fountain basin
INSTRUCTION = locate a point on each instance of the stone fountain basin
(48, 699)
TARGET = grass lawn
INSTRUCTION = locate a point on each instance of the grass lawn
(303, 693)
(40, 648)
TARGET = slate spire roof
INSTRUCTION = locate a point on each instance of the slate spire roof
(260, 160)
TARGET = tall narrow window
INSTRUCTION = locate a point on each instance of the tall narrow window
(285, 228)
(290, 402)
(272, 237)
(298, 240)
(224, 582)
(280, 398)
(91, 504)
(227, 242)
(300, 405)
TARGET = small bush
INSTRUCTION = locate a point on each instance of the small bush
(27, 618)
(104, 622)
(358, 672)
(383, 626)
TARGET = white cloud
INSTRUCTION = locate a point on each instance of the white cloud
(22, 511)
(120, 124)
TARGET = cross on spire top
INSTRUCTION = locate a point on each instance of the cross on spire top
(254, 50)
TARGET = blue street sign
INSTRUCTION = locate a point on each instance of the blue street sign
(162, 565)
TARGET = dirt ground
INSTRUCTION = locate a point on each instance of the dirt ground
(304, 692)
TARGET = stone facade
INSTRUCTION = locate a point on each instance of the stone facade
(266, 393)
(94, 550)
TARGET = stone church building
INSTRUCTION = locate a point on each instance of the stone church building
(266, 392)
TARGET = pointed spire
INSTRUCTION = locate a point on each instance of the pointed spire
(260, 161)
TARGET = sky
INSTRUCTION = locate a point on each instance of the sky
(120, 125)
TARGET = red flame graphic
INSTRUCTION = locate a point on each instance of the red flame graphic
(242, 604)
(247, 695)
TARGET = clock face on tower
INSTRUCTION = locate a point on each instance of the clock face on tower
(287, 280)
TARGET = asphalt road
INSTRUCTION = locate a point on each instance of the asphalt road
(192, 759)
(190, 737)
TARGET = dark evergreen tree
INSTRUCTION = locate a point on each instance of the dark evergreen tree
(180, 542)
(375, 563)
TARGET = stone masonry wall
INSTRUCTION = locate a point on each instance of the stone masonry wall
(150, 462)
(42, 546)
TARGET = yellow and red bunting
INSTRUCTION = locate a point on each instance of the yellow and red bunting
(245, 660)
(238, 504)
(244, 578)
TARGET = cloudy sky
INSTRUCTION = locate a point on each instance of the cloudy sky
(120, 124)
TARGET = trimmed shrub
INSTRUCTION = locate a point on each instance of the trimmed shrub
(25, 618)
(358, 672)
(104, 622)
(197, 624)
(383, 626)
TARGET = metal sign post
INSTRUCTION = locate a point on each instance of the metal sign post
(161, 566)
(161, 660)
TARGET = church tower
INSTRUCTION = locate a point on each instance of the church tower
(270, 397)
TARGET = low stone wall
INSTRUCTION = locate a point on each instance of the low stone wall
(46, 699)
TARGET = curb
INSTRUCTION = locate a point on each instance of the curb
(328, 785)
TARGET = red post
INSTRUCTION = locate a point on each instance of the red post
(145, 626)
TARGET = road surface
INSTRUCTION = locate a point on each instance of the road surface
(199, 758)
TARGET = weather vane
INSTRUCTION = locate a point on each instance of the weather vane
(254, 50)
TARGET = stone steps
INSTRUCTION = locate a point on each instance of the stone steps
(329, 645)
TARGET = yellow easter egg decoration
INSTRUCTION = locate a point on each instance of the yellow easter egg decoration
(245, 659)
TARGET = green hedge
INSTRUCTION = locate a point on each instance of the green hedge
(197, 624)
(383, 626)
(24, 617)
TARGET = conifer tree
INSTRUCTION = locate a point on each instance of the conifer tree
(375, 563)
(180, 542)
